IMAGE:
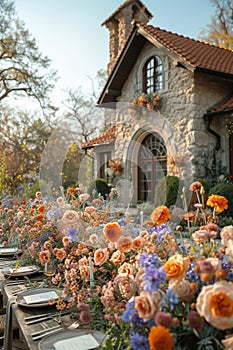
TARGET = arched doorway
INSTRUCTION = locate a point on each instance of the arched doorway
(152, 165)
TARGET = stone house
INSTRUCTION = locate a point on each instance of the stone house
(188, 132)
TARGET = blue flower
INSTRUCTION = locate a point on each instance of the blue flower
(146, 260)
(153, 278)
(139, 342)
(170, 298)
(73, 234)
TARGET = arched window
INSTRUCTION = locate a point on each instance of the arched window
(152, 75)
(152, 165)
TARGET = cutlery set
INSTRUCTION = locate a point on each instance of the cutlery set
(50, 330)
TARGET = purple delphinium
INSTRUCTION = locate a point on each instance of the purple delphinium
(153, 278)
(170, 299)
(146, 260)
(72, 234)
(139, 342)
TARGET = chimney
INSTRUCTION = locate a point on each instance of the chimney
(120, 23)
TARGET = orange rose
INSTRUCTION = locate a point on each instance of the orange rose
(112, 231)
(176, 267)
(41, 208)
(101, 256)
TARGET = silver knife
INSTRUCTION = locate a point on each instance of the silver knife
(45, 330)
(47, 333)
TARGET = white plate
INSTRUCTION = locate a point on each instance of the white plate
(47, 343)
(32, 292)
(21, 271)
(8, 251)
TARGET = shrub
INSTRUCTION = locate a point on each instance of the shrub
(166, 191)
(226, 190)
(205, 184)
(100, 186)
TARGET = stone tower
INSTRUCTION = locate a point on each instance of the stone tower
(120, 23)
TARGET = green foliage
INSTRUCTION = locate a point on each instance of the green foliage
(166, 191)
(225, 190)
(98, 186)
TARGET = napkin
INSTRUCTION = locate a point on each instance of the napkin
(82, 342)
(40, 297)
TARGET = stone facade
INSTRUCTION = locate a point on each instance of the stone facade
(192, 140)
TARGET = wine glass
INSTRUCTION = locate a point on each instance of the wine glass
(49, 269)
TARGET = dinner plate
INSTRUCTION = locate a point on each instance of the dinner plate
(49, 342)
(9, 251)
(37, 297)
(21, 271)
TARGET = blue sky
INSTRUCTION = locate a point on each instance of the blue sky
(69, 32)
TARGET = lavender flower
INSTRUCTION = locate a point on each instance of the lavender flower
(73, 234)
(153, 278)
(139, 342)
(146, 260)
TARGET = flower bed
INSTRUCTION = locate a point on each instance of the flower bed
(144, 285)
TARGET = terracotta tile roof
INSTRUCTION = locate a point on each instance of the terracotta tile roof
(105, 137)
(126, 3)
(224, 106)
(194, 53)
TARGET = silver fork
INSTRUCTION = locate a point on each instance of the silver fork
(51, 330)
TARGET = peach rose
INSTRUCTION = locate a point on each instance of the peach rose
(71, 218)
(101, 256)
(176, 267)
(226, 234)
(228, 342)
(215, 304)
(66, 241)
(117, 258)
(138, 243)
(183, 289)
(127, 269)
(126, 285)
(112, 231)
(147, 305)
(60, 254)
(83, 197)
(124, 244)
(44, 255)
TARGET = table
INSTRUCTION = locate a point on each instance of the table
(18, 313)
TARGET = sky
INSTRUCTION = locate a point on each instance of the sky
(71, 34)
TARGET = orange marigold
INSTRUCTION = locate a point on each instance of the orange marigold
(189, 216)
(112, 231)
(41, 208)
(71, 190)
(160, 338)
(160, 215)
(220, 203)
